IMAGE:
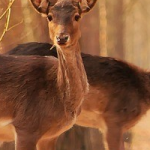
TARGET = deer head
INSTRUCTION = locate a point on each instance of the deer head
(63, 17)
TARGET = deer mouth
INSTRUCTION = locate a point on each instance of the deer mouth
(61, 43)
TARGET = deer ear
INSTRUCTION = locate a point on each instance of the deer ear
(41, 6)
(87, 5)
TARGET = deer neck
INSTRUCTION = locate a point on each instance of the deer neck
(71, 77)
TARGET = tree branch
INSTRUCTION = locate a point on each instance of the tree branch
(7, 12)
(9, 6)
(6, 24)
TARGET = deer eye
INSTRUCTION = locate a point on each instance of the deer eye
(77, 17)
(49, 17)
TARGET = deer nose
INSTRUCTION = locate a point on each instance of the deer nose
(62, 39)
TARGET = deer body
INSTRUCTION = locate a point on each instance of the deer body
(36, 91)
(118, 95)
(41, 96)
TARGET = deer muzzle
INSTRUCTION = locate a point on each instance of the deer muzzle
(62, 39)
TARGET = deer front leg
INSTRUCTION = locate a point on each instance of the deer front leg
(25, 141)
(114, 137)
(47, 144)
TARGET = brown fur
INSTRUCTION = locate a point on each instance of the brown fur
(118, 97)
(41, 96)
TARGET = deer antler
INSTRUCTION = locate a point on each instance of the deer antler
(42, 6)
(86, 5)
(83, 4)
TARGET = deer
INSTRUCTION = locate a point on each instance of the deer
(42, 96)
(118, 97)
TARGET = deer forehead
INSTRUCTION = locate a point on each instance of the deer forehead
(63, 14)
(64, 7)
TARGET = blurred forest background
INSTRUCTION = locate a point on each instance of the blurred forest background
(116, 28)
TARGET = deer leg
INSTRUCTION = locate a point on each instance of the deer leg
(25, 141)
(25, 144)
(47, 144)
(114, 137)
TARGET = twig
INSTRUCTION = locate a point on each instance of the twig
(129, 6)
(15, 25)
(9, 6)
(7, 12)
(6, 24)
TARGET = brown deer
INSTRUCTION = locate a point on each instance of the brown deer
(41, 96)
(119, 95)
